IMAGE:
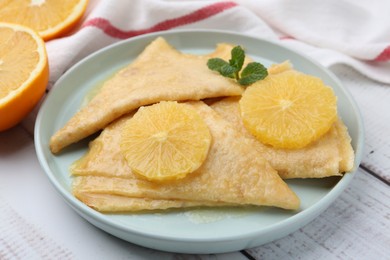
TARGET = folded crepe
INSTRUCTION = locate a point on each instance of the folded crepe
(114, 203)
(331, 155)
(159, 73)
(233, 172)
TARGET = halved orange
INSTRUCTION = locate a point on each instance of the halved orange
(165, 141)
(50, 18)
(288, 109)
(24, 72)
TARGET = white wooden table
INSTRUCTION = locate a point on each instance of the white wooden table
(36, 223)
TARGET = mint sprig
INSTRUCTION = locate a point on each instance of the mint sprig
(253, 71)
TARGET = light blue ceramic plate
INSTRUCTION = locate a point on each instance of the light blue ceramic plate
(191, 230)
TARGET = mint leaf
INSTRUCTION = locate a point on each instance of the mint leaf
(254, 68)
(228, 71)
(238, 57)
(216, 64)
(253, 72)
(223, 67)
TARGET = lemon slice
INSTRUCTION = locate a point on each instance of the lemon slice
(165, 141)
(288, 109)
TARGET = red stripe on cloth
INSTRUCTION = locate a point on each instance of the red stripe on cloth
(198, 15)
(286, 38)
(384, 55)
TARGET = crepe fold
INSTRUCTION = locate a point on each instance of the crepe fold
(115, 203)
(159, 73)
(331, 155)
(232, 174)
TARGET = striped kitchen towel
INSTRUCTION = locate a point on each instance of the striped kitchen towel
(355, 33)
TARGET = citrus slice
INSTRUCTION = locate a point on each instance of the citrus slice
(24, 72)
(50, 18)
(288, 109)
(165, 141)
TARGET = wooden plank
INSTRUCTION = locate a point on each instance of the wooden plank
(355, 226)
(228, 256)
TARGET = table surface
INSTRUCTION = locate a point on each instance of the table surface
(36, 222)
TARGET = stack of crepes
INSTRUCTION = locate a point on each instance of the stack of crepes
(238, 171)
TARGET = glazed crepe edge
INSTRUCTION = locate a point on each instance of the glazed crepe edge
(279, 195)
(116, 204)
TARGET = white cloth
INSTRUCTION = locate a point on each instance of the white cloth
(356, 33)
